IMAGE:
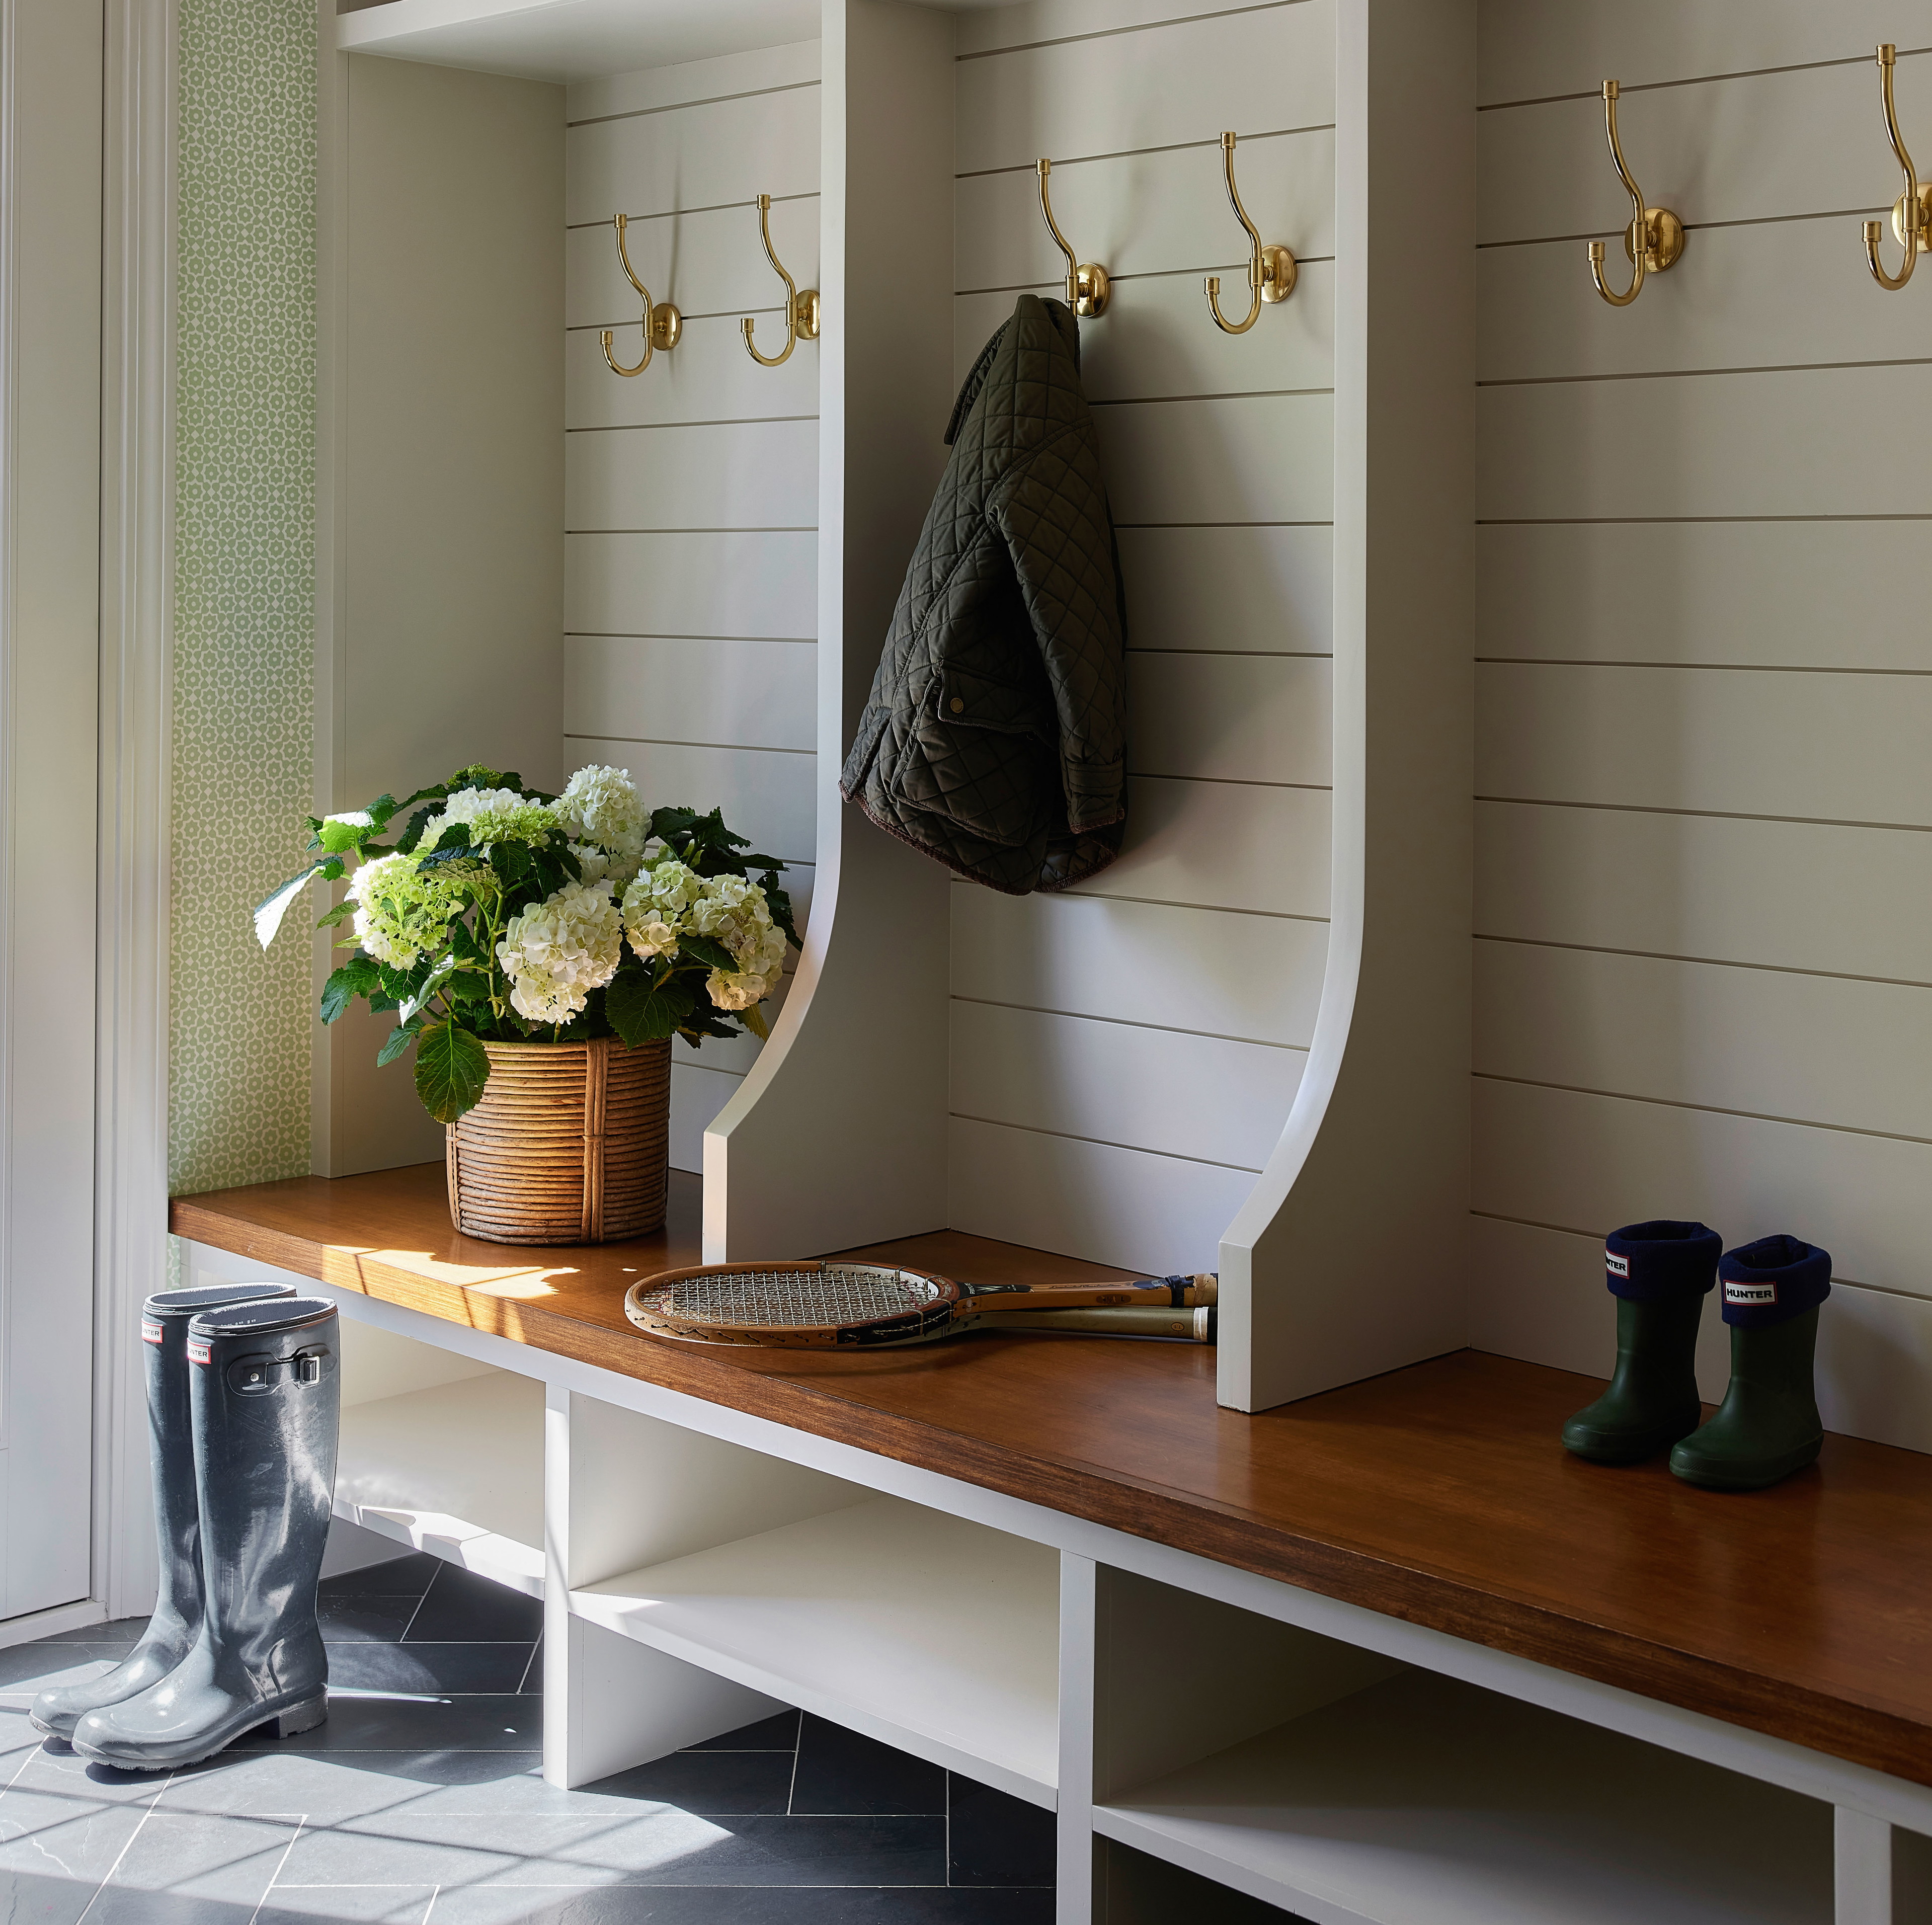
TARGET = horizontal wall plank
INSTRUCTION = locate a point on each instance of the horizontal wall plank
(1199, 1096)
(1230, 718)
(1223, 845)
(1761, 146)
(747, 694)
(732, 150)
(1838, 748)
(651, 89)
(1116, 92)
(1527, 50)
(989, 29)
(1253, 458)
(1158, 337)
(1255, 977)
(1851, 1055)
(704, 264)
(1733, 301)
(1796, 595)
(1590, 1163)
(1859, 900)
(1541, 1297)
(1838, 441)
(736, 584)
(751, 475)
(707, 377)
(1154, 1214)
(1266, 590)
(696, 1095)
(1147, 213)
(765, 795)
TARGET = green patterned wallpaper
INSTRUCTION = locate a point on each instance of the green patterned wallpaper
(240, 1022)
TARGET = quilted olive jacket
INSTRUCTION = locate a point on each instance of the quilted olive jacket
(995, 733)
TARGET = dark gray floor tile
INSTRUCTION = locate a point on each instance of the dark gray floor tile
(532, 1687)
(745, 1905)
(411, 1572)
(708, 1782)
(44, 1897)
(426, 1723)
(460, 1604)
(346, 1904)
(350, 1617)
(27, 1669)
(331, 1788)
(447, 1670)
(184, 1868)
(994, 1839)
(779, 1732)
(843, 1772)
(114, 1631)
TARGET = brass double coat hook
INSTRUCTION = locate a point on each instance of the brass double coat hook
(1654, 238)
(662, 324)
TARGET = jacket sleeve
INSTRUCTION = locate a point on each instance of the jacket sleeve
(1052, 513)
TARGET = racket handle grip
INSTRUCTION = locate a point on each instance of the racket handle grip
(1190, 1325)
(1164, 1292)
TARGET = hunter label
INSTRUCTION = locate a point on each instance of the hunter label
(1617, 1266)
(1738, 1292)
(197, 1350)
(151, 1331)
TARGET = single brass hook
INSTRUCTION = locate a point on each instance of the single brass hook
(1087, 286)
(1911, 216)
(1271, 270)
(1654, 238)
(801, 309)
(662, 323)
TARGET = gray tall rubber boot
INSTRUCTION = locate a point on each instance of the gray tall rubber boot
(176, 1622)
(265, 1391)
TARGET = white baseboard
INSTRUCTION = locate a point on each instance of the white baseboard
(50, 1624)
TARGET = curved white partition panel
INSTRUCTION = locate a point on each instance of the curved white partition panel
(1348, 1257)
(837, 1135)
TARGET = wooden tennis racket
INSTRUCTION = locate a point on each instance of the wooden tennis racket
(870, 1306)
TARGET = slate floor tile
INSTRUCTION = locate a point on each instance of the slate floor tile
(184, 1866)
(460, 1604)
(114, 1631)
(438, 1670)
(994, 1839)
(533, 1676)
(416, 1723)
(779, 1732)
(709, 1783)
(330, 1787)
(742, 1904)
(353, 1617)
(412, 1573)
(843, 1772)
(345, 1905)
(27, 1670)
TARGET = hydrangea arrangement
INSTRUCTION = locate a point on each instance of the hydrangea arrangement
(503, 915)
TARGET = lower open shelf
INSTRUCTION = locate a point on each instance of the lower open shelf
(456, 1469)
(1424, 1801)
(934, 1635)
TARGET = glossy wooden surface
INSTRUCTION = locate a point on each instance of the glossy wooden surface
(1437, 1494)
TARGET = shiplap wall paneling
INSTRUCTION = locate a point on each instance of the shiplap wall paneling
(837, 1135)
(1349, 1255)
(1123, 1056)
(1704, 982)
(690, 490)
(440, 640)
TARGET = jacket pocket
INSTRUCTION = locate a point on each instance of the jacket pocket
(961, 698)
(986, 767)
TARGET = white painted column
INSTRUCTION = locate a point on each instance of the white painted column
(1861, 1868)
(1079, 1653)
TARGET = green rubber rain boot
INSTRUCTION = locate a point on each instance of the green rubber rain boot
(1660, 1273)
(1767, 1426)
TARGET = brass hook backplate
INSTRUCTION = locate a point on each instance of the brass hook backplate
(1912, 212)
(663, 325)
(1271, 269)
(1653, 241)
(1087, 286)
(801, 305)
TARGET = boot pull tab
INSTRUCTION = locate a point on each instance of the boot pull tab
(256, 1376)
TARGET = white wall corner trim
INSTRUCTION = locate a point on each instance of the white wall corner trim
(136, 600)
(1348, 1258)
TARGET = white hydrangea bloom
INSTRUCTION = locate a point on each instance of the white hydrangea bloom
(506, 816)
(656, 905)
(593, 864)
(732, 911)
(601, 805)
(556, 952)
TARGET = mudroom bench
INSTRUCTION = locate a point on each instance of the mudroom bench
(1386, 1654)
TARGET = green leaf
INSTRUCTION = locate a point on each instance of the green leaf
(359, 976)
(397, 1041)
(452, 1069)
(269, 912)
(341, 913)
(340, 834)
(778, 901)
(427, 987)
(511, 862)
(413, 830)
(702, 948)
(640, 1012)
(753, 1020)
(446, 852)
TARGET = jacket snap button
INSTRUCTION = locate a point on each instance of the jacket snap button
(958, 705)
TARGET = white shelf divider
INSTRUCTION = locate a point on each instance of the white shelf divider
(930, 1633)
(1423, 1800)
(456, 1469)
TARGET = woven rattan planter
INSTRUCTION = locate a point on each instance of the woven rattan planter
(569, 1145)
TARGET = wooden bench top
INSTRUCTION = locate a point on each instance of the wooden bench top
(1439, 1495)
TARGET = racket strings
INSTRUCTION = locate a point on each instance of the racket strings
(845, 1293)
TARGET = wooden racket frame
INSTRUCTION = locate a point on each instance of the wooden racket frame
(951, 1308)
